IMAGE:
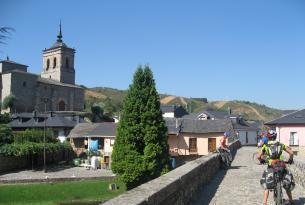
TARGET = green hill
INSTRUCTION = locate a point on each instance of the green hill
(112, 100)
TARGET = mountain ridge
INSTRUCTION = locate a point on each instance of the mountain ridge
(251, 110)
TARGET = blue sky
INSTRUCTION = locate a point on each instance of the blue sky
(220, 49)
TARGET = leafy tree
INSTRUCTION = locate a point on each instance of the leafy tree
(8, 101)
(5, 118)
(6, 135)
(141, 150)
(97, 113)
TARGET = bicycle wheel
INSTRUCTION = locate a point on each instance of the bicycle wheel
(254, 157)
(278, 194)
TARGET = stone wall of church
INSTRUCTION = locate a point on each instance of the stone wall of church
(72, 96)
(23, 86)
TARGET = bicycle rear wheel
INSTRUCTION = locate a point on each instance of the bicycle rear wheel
(278, 194)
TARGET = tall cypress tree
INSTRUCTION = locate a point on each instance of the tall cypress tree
(141, 151)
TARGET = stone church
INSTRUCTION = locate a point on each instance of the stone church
(53, 90)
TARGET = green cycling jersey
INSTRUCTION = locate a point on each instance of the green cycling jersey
(266, 151)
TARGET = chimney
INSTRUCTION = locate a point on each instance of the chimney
(229, 111)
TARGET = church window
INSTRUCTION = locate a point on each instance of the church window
(67, 62)
(61, 106)
(54, 62)
(24, 84)
(48, 64)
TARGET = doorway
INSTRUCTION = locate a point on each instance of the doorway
(212, 144)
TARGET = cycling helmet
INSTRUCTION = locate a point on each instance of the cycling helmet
(227, 134)
(272, 135)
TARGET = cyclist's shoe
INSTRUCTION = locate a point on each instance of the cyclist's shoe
(286, 202)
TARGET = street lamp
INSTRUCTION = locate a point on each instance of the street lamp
(45, 100)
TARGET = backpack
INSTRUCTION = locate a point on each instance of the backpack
(274, 149)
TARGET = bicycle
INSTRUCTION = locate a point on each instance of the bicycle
(279, 171)
(226, 158)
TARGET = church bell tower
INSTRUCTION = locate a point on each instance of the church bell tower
(58, 62)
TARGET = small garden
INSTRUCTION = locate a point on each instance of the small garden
(66, 193)
(30, 145)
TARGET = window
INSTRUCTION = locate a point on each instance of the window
(193, 145)
(54, 62)
(294, 140)
(48, 64)
(67, 62)
(111, 142)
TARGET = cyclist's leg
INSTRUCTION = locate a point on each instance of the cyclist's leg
(289, 194)
(266, 195)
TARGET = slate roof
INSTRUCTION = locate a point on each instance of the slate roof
(12, 62)
(216, 114)
(178, 110)
(242, 125)
(297, 117)
(197, 126)
(39, 122)
(104, 129)
(211, 114)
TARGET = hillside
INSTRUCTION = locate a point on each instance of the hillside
(114, 98)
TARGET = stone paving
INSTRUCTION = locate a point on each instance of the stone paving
(240, 184)
(55, 173)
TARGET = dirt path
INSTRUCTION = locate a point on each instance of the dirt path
(220, 104)
(256, 112)
(183, 101)
(167, 99)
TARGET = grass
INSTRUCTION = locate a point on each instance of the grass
(65, 193)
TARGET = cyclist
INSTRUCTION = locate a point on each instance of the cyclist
(223, 141)
(274, 150)
(224, 149)
(264, 138)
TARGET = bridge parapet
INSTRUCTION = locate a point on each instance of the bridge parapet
(298, 170)
(176, 187)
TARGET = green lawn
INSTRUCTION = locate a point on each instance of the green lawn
(66, 193)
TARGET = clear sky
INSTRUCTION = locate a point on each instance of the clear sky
(220, 49)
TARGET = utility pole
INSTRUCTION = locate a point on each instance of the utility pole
(190, 104)
(44, 139)
(45, 100)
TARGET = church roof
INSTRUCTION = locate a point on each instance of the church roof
(12, 62)
(59, 42)
(54, 82)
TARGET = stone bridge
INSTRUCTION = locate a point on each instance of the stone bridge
(240, 184)
(201, 182)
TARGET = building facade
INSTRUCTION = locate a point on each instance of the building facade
(291, 130)
(53, 90)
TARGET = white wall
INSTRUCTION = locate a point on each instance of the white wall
(169, 115)
(252, 137)
(108, 144)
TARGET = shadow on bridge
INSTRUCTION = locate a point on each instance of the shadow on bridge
(236, 167)
(207, 193)
(209, 189)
